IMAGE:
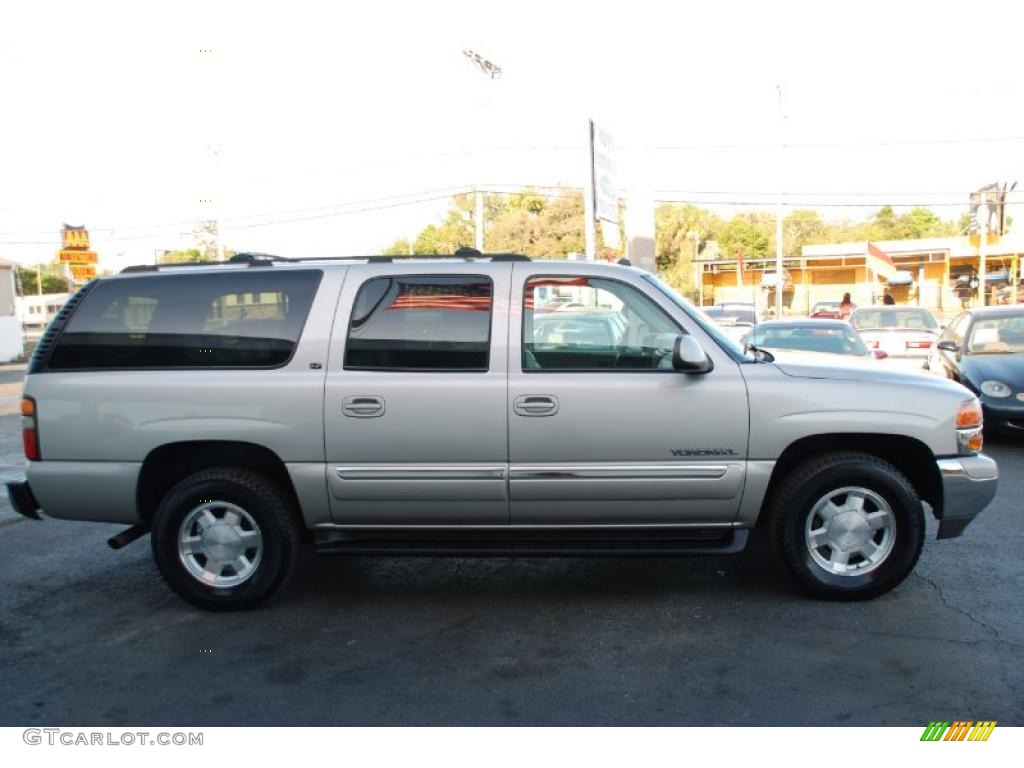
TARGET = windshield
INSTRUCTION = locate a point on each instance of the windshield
(997, 336)
(807, 338)
(733, 347)
(900, 319)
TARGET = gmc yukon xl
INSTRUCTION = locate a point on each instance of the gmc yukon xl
(473, 405)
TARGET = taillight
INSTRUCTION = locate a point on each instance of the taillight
(919, 345)
(876, 344)
(30, 429)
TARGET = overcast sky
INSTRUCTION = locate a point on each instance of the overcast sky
(305, 115)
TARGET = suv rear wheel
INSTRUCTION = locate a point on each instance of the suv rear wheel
(848, 525)
(224, 538)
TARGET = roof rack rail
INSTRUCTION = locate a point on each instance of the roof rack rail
(268, 260)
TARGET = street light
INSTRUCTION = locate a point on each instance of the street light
(493, 71)
(489, 68)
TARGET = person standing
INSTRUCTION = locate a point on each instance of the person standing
(845, 307)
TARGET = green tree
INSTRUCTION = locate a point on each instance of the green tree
(802, 228)
(182, 257)
(535, 225)
(53, 279)
(679, 232)
(753, 232)
(401, 247)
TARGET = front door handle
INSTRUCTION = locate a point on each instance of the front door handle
(535, 405)
(363, 406)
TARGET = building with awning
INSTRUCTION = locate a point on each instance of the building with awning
(928, 272)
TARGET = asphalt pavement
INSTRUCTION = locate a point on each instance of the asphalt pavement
(89, 636)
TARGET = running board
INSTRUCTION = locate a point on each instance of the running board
(518, 543)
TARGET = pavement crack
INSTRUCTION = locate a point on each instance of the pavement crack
(967, 614)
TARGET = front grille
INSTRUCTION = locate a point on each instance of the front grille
(42, 351)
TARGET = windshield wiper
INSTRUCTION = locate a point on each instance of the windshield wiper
(766, 356)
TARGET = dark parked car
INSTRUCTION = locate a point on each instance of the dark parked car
(983, 349)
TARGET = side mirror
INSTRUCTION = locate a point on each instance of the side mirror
(688, 356)
(947, 346)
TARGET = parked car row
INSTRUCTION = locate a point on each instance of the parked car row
(982, 348)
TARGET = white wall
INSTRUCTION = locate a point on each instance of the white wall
(10, 338)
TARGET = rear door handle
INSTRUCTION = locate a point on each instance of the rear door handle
(535, 405)
(363, 406)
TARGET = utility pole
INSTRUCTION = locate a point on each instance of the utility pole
(779, 283)
(492, 71)
(982, 251)
(216, 193)
(478, 218)
(589, 216)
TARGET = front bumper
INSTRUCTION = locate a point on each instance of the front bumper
(22, 499)
(968, 486)
(1003, 415)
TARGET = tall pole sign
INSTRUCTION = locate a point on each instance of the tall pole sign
(78, 260)
(589, 220)
(601, 194)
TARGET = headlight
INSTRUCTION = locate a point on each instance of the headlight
(995, 388)
(968, 427)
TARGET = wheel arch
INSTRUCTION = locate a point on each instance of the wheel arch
(911, 456)
(167, 464)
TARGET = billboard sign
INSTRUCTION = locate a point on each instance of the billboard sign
(81, 273)
(75, 238)
(68, 256)
(606, 188)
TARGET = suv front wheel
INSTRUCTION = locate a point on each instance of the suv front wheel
(848, 525)
(224, 538)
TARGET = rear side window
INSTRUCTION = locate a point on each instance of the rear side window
(245, 320)
(432, 323)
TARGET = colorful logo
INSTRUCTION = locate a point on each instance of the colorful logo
(961, 730)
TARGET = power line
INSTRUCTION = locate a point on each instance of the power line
(250, 225)
(847, 144)
(775, 146)
(395, 201)
(164, 225)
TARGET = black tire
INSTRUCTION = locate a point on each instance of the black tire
(794, 500)
(270, 509)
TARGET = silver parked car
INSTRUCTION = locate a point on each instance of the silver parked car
(832, 337)
(736, 319)
(238, 411)
(900, 332)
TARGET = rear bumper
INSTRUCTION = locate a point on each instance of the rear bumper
(968, 486)
(22, 499)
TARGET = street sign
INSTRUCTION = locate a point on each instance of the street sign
(69, 256)
(80, 273)
(606, 189)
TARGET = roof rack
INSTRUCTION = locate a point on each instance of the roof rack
(268, 260)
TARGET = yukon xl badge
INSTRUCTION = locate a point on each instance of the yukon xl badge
(703, 452)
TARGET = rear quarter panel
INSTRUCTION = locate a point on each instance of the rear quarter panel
(119, 416)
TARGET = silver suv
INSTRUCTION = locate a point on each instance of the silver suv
(473, 405)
